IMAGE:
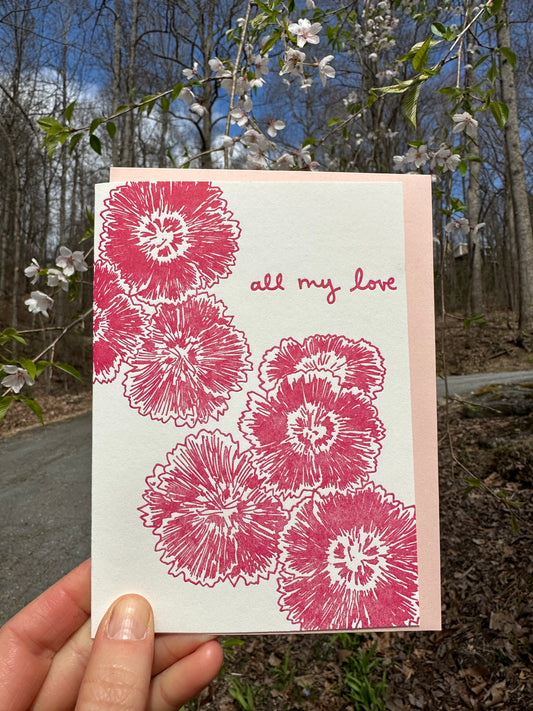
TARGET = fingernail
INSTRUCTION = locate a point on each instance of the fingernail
(130, 618)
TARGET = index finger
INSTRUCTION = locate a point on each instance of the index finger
(29, 641)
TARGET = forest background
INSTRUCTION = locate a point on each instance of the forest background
(368, 86)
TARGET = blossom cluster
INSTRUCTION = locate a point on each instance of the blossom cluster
(242, 80)
(69, 264)
(441, 160)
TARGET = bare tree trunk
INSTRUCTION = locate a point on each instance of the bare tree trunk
(476, 302)
(117, 42)
(128, 146)
(206, 35)
(17, 240)
(509, 247)
(518, 186)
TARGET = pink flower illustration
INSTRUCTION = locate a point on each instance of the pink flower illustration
(190, 361)
(349, 560)
(168, 239)
(310, 433)
(118, 327)
(356, 364)
(212, 515)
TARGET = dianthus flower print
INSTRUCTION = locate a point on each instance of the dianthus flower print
(356, 364)
(168, 239)
(190, 361)
(119, 325)
(349, 561)
(309, 433)
(213, 517)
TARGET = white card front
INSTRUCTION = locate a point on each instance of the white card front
(252, 440)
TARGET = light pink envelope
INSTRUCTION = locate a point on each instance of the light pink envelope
(419, 284)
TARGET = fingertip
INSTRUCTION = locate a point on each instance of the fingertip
(186, 678)
(130, 617)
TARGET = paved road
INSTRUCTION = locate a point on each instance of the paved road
(44, 508)
(464, 384)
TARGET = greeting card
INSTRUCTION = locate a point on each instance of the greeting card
(264, 427)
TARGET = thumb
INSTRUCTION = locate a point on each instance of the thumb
(118, 673)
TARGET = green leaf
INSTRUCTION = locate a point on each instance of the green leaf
(95, 123)
(75, 139)
(472, 483)
(410, 103)
(50, 125)
(232, 642)
(515, 525)
(69, 110)
(96, 144)
(5, 403)
(33, 405)
(426, 45)
(421, 57)
(500, 111)
(400, 88)
(66, 368)
(29, 366)
(438, 29)
(333, 121)
(111, 129)
(176, 91)
(41, 366)
(73, 290)
(463, 167)
(492, 73)
(11, 334)
(509, 55)
(491, 10)
(165, 103)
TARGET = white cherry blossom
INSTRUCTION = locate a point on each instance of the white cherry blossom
(70, 261)
(191, 73)
(465, 123)
(16, 378)
(275, 125)
(32, 272)
(293, 61)
(445, 159)
(400, 163)
(260, 62)
(325, 70)
(305, 31)
(239, 114)
(417, 156)
(257, 157)
(39, 303)
(284, 162)
(55, 277)
(458, 226)
(218, 68)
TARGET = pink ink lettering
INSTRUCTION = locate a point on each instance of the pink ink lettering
(322, 284)
(372, 284)
(266, 284)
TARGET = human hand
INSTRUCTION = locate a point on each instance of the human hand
(48, 661)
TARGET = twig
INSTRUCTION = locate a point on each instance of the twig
(234, 76)
(65, 330)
